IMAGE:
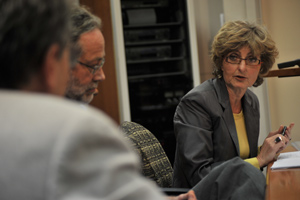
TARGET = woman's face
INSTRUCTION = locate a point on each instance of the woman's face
(240, 76)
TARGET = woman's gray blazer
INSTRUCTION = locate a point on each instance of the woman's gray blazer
(205, 131)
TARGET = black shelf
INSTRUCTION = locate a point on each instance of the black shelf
(156, 75)
(158, 63)
(169, 24)
(137, 4)
(154, 60)
(161, 42)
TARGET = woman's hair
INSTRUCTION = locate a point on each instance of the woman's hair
(237, 34)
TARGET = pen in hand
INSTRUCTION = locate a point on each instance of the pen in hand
(283, 131)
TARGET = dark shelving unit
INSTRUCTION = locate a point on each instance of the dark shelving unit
(158, 62)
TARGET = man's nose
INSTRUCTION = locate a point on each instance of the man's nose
(99, 75)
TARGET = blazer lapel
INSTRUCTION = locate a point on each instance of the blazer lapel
(227, 116)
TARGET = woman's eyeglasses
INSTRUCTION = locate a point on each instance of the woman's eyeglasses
(234, 59)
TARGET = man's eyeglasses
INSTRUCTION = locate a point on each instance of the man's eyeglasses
(94, 68)
(235, 59)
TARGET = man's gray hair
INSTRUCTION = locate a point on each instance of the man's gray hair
(83, 21)
(28, 29)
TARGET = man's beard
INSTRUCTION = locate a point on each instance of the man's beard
(77, 92)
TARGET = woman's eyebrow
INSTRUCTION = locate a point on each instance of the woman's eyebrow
(236, 52)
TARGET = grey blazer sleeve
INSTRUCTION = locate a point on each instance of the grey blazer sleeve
(92, 161)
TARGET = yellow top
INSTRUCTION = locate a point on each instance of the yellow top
(243, 139)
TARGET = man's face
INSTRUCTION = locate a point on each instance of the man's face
(83, 83)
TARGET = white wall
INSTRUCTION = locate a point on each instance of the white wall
(282, 18)
(207, 17)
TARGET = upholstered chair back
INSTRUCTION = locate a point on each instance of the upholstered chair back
(155, 163)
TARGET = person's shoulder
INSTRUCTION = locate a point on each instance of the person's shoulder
(74, 111)
(203, 90)
(205, 86)
(50, 108)
(57, 117)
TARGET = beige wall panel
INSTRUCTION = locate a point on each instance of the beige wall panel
(282, 18)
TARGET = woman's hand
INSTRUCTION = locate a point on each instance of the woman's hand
(288, 132)
(186, 196)
(270, 147)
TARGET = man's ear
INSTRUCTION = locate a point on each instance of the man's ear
(50, 69)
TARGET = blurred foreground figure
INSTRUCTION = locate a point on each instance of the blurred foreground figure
(50, 148)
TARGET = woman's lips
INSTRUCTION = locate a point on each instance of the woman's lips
(240, 77)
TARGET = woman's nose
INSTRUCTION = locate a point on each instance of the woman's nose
(243, 65)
